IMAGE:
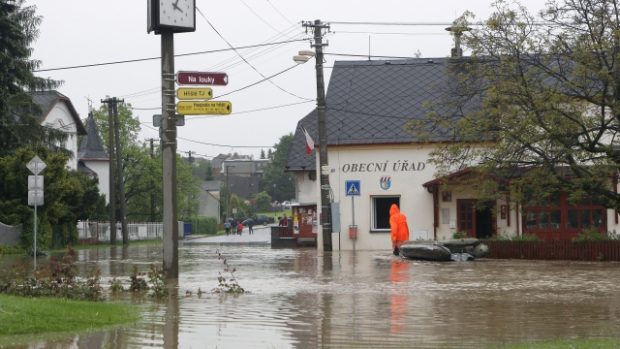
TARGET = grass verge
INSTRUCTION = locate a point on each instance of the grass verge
(29, 319)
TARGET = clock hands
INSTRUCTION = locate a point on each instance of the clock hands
(176, 6)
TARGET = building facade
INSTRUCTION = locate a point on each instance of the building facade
(369, 109)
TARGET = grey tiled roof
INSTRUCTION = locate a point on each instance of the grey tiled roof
(91, 147)
(369, 102)
(46, 101)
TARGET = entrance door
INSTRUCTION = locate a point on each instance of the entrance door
(466, 219)
(475, 222)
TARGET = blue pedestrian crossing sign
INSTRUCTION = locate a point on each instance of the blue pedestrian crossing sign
(352, 188)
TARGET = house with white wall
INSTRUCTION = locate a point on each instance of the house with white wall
(369, 107)
(58, 112)
(90, 157)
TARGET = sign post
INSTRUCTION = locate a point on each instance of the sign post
(36, 165)
(201, 78)
(353, 189)
(204, 108)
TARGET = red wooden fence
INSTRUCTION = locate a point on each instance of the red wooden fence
(555, 250)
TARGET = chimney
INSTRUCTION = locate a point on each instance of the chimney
(457, 31)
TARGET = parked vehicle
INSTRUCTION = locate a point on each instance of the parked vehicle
(264, 219)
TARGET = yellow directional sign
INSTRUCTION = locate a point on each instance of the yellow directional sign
(204, 108)
(194, 93)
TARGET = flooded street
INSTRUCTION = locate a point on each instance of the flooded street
(304, 299)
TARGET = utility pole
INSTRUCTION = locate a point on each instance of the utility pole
(152, 195)
(112, 182)
(326, 212)
(116, 172)
(120, 172)
(168, 135)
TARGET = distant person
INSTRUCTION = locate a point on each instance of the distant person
(239, 228)
(250, 224)
(399, 228)
(284, 221)
(227, 227)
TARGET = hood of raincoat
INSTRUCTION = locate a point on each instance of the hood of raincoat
(394, 209)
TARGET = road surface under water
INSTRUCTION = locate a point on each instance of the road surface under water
(301, 298)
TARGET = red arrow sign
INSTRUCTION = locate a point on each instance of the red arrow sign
(201, 78)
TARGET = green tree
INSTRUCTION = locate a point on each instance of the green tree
(19, 123)
(547, 91)
(263, 201)
(142, 176)
(203, 169)
(276, 182)
(143, 171)
(68, 196)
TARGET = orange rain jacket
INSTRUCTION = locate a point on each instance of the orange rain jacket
(398, 225)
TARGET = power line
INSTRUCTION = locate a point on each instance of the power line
(386, 33)
(421, 24)
(244, 111)
(245, 60)
(280, 13)
(158, 57)
(268, 79)
(213, 144)
(399, 23)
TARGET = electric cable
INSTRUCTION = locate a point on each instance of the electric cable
(158, 57)
(245, 60)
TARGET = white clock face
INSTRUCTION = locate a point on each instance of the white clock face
(177, 13)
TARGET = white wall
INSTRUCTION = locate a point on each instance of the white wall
(102, 169)
(306, 188)
(60, 118)
(368, 164)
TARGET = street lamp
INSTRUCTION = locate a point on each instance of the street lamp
(302, 57)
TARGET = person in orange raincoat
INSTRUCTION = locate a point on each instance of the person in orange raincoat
(399, 227)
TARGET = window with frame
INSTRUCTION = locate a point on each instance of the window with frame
(380, 209)
(558, 213)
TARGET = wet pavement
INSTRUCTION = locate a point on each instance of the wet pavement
(301, 298)
(260, 236)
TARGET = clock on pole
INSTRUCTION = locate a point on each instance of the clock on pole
(177, 16)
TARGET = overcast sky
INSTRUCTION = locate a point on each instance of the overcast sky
(82, 32)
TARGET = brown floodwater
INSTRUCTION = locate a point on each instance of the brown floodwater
(301, 298)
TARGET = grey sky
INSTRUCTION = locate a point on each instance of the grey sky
(79, 32)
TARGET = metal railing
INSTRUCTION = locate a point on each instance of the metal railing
(97, 232)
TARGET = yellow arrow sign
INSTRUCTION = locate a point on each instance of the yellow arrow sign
(194, 93)
(204, 108)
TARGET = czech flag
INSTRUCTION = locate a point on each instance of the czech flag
(309, 141)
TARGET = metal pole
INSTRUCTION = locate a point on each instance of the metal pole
(112, 181)
(168, 143)
(36, 198)
(326, 213)
(353, 218)
(119, 171)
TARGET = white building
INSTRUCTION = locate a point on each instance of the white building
(90, 157)
(369, 105)
(58, 112)
(94, 160)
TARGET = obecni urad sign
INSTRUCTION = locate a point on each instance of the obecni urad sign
(385, 166)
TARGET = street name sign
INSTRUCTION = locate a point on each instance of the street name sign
(201, 78)
(204, 108)
(194, 93)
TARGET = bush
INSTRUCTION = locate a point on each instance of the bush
(591, 234)
(204, 225)
(459, 235)
(526, 237)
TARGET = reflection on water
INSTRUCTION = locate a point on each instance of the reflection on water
(305, 299)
